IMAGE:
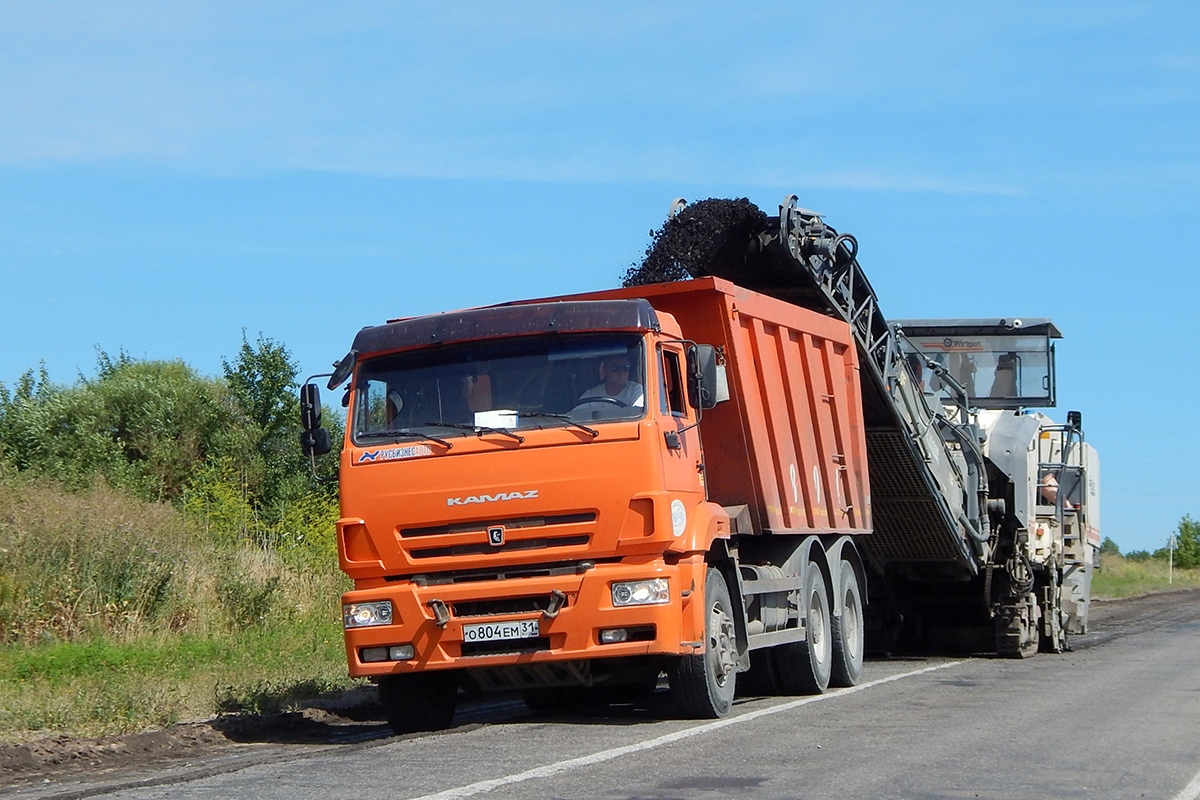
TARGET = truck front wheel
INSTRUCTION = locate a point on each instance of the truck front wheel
(704, 685)
(423, 701)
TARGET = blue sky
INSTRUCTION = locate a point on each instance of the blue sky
(172, 174)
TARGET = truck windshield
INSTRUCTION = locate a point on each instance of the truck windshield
(529, 382)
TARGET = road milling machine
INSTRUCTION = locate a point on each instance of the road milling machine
(986, 512)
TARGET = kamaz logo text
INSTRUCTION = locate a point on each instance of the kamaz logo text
(491, 498)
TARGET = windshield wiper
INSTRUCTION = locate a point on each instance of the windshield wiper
(402, 432)
(564, 417)
(479, 429)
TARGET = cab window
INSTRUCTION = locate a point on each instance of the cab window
(671, 384)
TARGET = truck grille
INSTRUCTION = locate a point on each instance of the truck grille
(515, 523)
(507, 605)
(520, 533)
(509, 547)
(515, 571)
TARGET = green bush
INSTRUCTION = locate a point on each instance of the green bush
(142, 426)
(1187, 545)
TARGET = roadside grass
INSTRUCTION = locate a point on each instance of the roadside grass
(101, 688)
(118, 615)
(1123, 577)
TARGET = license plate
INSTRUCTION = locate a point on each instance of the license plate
(500, 631)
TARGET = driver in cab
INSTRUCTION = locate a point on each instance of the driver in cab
(615, 388)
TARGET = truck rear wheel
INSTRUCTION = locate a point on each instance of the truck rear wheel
(760, 679)
(805, 667)
(847, 630)
(704, 685)
(422, 701)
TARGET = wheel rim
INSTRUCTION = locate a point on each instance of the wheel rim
(818, 639)
(851, 626)
(721, 643)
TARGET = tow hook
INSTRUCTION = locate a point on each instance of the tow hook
(557, 601)
(441, 614)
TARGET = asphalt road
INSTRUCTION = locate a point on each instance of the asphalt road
(1119, 717)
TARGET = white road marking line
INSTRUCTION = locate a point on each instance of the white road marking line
(1191, 791)
(616, 752)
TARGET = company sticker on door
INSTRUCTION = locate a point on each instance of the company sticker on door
(393, 454)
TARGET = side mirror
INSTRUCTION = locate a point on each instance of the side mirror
(703, 376)
(315, 442)
(342, 369)
(310, 407)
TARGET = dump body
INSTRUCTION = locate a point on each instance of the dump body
(790, 441)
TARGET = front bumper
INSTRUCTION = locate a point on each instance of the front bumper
(572, 634)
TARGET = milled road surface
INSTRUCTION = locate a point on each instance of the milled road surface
(1117, 718)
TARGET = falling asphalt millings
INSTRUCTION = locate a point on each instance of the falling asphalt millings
(692, 242)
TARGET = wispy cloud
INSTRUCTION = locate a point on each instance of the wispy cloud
(866, 96)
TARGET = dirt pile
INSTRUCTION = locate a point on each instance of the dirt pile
(62, 753)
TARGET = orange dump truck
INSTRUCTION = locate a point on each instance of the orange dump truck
(585, 492)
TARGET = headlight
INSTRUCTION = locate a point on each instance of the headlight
(361, 615)
(655, 591)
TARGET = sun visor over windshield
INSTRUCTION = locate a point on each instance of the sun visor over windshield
(509, 320)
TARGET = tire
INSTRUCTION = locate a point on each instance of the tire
(544, 699)
(760, 680)
(419, 702)
(847, 631)
(704, 685)
(805, 667)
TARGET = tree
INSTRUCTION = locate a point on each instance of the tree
(1109, 548)
(262, 384)
(1187, 543)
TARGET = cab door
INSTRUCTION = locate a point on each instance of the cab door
(680, 437)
